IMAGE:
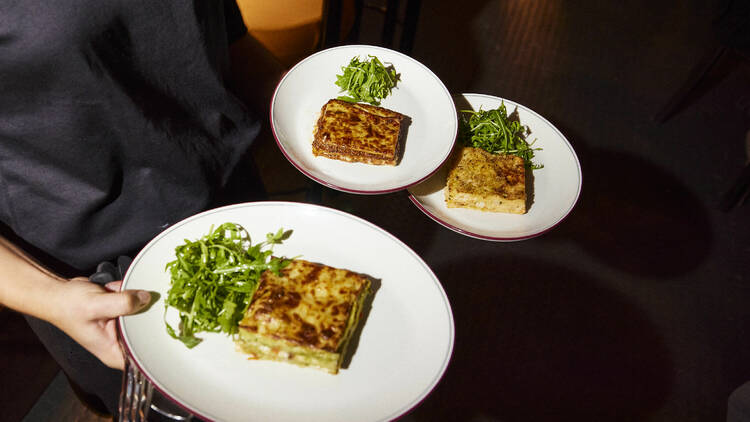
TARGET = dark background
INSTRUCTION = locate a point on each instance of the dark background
(635, 308)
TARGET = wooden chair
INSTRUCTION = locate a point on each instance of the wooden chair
(731, 45)
(732, 41)
(391, 9)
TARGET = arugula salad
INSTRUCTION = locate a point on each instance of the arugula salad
(213, 280)
(497, 132)
(366, 80)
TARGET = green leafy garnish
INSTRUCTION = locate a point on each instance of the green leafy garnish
(497, 132)
(366, 80)
(213, 280)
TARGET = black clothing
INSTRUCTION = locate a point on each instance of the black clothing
(114, 124)
(114, 120)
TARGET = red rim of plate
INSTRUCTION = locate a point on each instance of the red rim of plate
(485, 237)
(468, 233)
(166, 395)
(332, 185)
(400, 413)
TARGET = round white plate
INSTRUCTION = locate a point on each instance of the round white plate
(403, 350)
(419, 94)
(556, 187)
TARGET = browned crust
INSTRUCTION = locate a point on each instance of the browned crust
(286, 306)
(357, 132)
(490, 182)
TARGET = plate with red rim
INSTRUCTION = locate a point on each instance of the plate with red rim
(554, 189)
(400, 354)
(430, 129)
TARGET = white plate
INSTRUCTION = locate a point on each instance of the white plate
(556, 187)
(404, 348)
(419, 94)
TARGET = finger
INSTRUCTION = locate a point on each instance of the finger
(113, 356)
(114, 359)
(111, 305)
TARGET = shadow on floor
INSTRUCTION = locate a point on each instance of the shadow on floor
(59, 403)
(25, 366)
(549, 344)
(636, 217)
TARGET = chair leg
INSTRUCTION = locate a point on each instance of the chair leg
(703, 68)
(389, 26)
(410, 26)
(356, 25)
(331, 34)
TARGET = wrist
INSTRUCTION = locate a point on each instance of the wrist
(28, 287)
(39, 294)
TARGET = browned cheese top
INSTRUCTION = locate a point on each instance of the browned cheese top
(308, 304)
(479, 172)
(358, 127)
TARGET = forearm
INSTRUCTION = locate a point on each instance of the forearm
(25, 285)
(84, 310)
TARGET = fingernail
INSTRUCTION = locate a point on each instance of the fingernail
(113, 286)
(144, 297)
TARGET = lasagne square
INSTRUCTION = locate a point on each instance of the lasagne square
(304, 316)
(484, 181)
(358, 132)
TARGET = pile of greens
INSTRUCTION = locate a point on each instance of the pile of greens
(497, 132)
(213, 279)
(366, 80)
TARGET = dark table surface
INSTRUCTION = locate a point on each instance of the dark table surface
(636, 307)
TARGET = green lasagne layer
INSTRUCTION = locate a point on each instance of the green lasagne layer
(304, 316)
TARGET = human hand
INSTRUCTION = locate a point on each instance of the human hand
(88, 315)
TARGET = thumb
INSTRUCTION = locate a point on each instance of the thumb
(113, 286)
(127, 302)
